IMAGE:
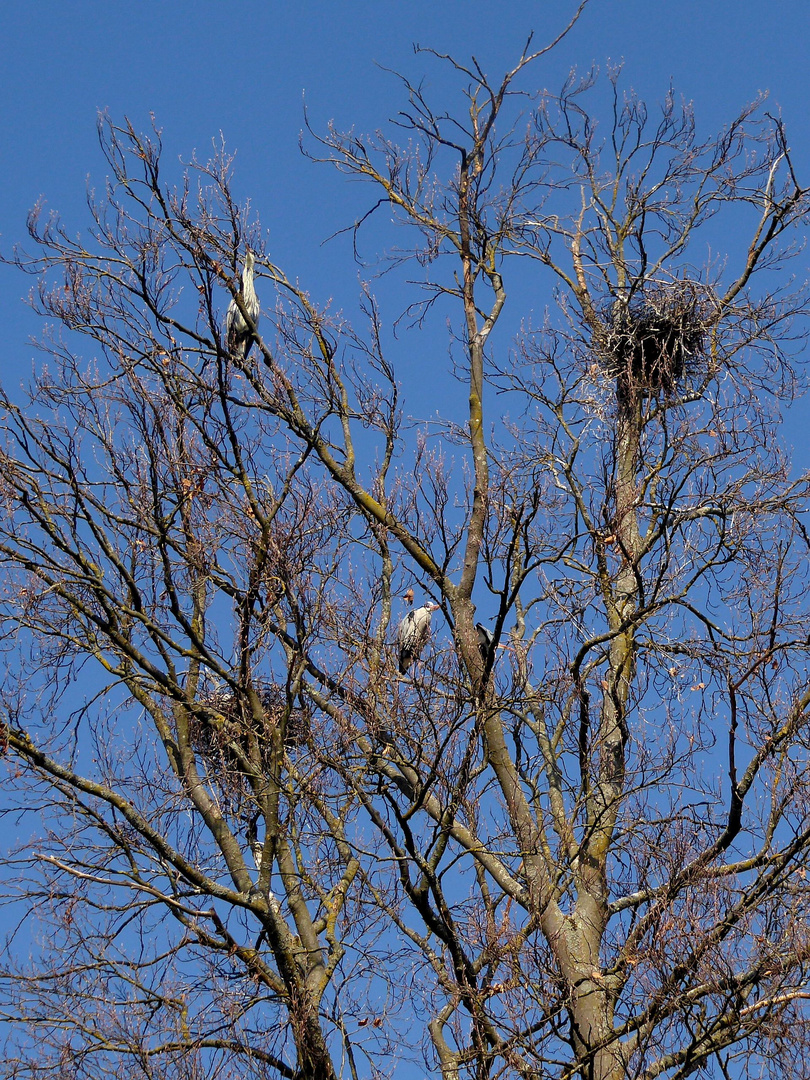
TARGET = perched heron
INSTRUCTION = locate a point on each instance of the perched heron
(256, 847)
(413, 635)
(485, 640)
(237, 332)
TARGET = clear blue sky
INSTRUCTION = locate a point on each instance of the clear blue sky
(243, 68)
(206, 67)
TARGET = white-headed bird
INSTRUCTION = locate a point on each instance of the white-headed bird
(414, 634)
(485, 640)
(237, 332)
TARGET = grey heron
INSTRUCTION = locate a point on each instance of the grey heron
(237, 332)
(485, 640)
(414, 634)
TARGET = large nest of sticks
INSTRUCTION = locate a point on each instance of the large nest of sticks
(277, 710)
(652, 344)
(218, 739)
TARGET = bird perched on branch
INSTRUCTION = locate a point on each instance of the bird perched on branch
(256, 848)
(413, 635)
(237, 332)
(485, 640)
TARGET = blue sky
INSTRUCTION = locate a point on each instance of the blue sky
(243, 69)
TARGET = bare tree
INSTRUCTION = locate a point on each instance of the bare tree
(573, 843)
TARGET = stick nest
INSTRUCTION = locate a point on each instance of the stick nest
(234, 729)
(652, 345)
